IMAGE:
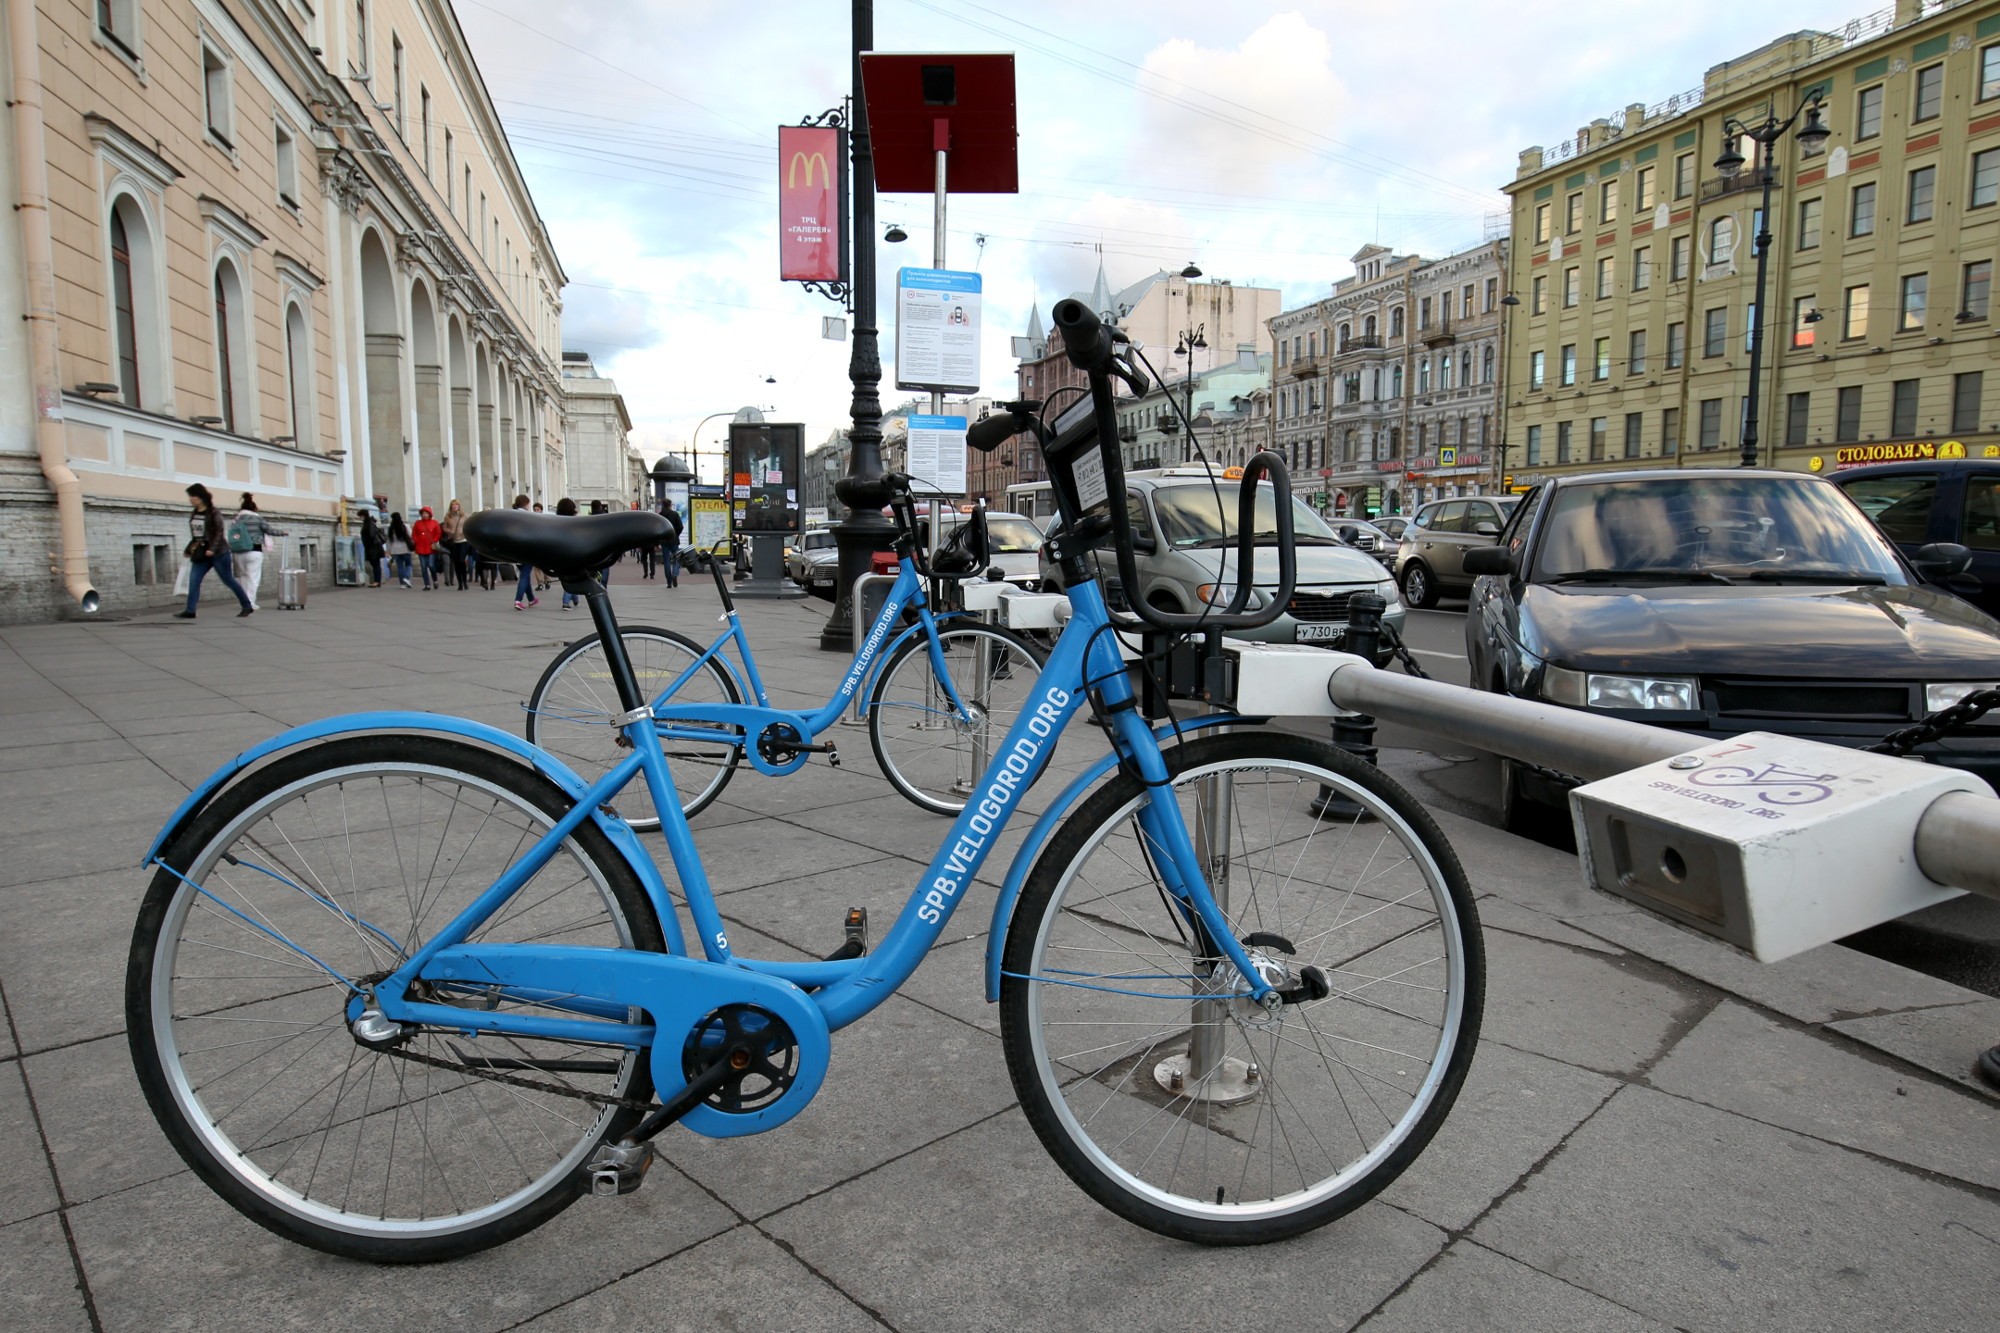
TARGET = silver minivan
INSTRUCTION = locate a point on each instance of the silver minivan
(1184, 544)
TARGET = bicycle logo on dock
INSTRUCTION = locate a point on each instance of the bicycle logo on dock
(1775, 784)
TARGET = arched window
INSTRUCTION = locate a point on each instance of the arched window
(1395, 321)
(1721, 239)
(298, 376)
(232, 349)
(124, 321)
(1343, 337)
(1486, 366)
(1368, 327)
(1395, 381)
(1347, 447)
(1424, 375)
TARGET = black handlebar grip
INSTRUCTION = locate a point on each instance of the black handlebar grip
(990, 434)
(1085, 338)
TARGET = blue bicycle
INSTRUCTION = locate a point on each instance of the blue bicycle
(940, 694)
(403, 987)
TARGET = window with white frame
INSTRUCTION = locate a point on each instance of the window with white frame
(215, 93)
(298, 375)
(286, 160)
(118, 26)
(232, 349)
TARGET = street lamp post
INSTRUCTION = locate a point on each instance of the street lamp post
(1190, 339)
(1765, 135)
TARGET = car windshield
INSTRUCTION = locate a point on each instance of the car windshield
(1712, 529)
(1012, 536)
(1205, 515)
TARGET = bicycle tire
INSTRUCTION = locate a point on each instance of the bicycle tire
(239, 1042)
(571, 707)
(1098, 988)
(927, 754)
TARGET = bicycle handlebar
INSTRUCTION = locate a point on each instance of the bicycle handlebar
(1092, 349)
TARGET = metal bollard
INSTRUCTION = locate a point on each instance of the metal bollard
(1355, 732)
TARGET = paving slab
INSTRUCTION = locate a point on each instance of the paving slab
(1613, 1015)
(63, 944)
(1472, 1287)
(1741, 1061)
(101, 1134)
(171, 1256)
(1497, 913)
(1817, 986)
(986, 1233)
(1946, 1040)
(1705, 1219)
(38, 1279)
(1514, 1108)
(738, 1282)
(26, 1188)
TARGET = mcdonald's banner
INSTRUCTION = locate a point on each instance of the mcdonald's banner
(812, 204)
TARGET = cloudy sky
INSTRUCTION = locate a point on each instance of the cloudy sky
(1265, 142)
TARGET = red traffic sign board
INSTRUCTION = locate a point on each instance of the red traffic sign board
(964, 104)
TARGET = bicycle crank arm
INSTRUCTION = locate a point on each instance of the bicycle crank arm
(710, 1080)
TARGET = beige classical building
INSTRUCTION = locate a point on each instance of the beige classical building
(1386, 390)
(1634, 260)
(600, 460)
(266, 246)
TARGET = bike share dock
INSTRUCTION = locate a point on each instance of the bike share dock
(1657, 1131)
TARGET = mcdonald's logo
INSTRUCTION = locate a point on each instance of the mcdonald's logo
(810, 163)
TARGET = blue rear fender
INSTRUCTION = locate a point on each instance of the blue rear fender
(437, 724)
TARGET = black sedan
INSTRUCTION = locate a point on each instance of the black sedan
(1938, 500)
(1720, 602)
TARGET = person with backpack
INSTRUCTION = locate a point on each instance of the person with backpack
(670, 548)
(399, 547)
(208, 548)
(372, 548)
(251, 538)
(427, 538)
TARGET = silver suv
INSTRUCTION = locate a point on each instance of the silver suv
(1184, 543)
(1431, 559)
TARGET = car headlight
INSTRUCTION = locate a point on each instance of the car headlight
(1940, 697)
(1386, 590)
(1218, 594)
(1579, 689)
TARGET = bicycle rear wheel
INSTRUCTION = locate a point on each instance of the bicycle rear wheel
(342, 859)
(570, 712)
(1156, 1083)
(928, 750)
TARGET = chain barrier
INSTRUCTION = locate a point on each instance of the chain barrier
(1942, 723)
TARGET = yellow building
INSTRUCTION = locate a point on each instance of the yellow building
(266, 246)
(1633, 259)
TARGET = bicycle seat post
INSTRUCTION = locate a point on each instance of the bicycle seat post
(597, 598)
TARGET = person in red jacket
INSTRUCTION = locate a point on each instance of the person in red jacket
(425, 535)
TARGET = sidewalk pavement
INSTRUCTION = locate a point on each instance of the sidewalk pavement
(1657, 1132)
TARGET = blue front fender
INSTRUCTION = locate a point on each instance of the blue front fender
(1049, 821)
(348, 724)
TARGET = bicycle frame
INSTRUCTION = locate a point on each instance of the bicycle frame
(597, 985)
(906, 592)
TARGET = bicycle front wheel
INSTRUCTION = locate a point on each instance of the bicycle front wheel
(1156, 1083)
(930, 750)
(319, 873)
(570, 712)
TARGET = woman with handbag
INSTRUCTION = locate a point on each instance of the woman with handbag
(208, 548)
(458, 551)
(372, 548)
(427, 535)
(251, 538)
(399, 547)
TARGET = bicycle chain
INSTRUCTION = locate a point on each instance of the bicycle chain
(1938, 725)
(515, 1080)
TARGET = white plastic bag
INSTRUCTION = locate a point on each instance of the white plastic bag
(181, 580)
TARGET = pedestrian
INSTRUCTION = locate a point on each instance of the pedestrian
(427, 536)
(457, 549)
(671, 547)
(399, 547)
(251, 538)
(524, 590)
(371, 548)
(208, 548)
(604, 574)
(566, 508)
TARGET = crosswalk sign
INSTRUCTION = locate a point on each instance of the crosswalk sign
(1447, 455)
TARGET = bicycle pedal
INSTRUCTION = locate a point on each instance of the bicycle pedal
(619, 1168)
(832, 757)
(855, 928)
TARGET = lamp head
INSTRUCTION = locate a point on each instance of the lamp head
(1731, 160)
(1814, 133)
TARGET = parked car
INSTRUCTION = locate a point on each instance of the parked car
(1430, 561)
(1393, 524)
(1014, 544)
(1365, 536)
(1943, 500)
(1723, 601)
(799, 551)
(1184, 541)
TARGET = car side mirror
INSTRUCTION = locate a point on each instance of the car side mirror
(1489, 560)
(1144, 545)
(1487, 528)
(1939, 561)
